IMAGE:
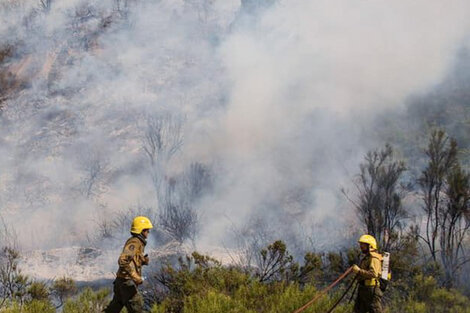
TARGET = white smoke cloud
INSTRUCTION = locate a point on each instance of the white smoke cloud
(279, 103)
(306, 80)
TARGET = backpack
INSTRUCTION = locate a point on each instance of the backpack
(385, 277)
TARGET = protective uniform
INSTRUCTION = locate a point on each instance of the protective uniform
(369, 298)
(129, 274)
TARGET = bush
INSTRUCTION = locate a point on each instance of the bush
(38, 291)
(415, 307)
(214, 302)
(448, 301)
(63, 288)
(88, 301)
(35, 306)
(425, 295)
(255, 297)
(200, 284)
(13, 284)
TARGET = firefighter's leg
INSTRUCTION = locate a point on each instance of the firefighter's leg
(135, 304)
(357, 308)
(376, 302)
(365, 301)
(116, 305)
(361, 301)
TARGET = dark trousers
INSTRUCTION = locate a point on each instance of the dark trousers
(369, 300)
(125, 295)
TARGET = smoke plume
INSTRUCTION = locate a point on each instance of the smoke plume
(277, 98)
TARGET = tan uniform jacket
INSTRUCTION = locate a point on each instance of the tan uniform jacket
(131, 260)
(371, 269)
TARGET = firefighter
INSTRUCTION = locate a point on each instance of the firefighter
(129, 275)
(369, 298)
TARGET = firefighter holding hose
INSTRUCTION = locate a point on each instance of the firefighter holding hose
(372, 276)
(129, 275)
(369, 298)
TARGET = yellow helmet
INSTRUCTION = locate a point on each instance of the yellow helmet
(139, 224)
(370, 240)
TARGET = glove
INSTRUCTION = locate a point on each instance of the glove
(146, 260)
(138, 281)
(355, 269)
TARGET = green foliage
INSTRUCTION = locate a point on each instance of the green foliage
(88, 301)
(201, 284)
(336, 262)
(415, 307)
(274, 262)
(310, 271)
(38, 291)
(214, 302)
(195, 274)
(353, 256)
(35, 306)
(13, 284)
(425, 295)
(63, 288)
(255, 297)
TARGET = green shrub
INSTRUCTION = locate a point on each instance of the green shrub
(425, 295)
(38, 291)
(451, 301)
(415, 307)
(214, 288)
(200, 284)
(34, 306)
(88, 301)
(63, 288)
(214, 302)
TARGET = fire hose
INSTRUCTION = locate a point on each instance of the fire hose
(325, 290)
(344, 294)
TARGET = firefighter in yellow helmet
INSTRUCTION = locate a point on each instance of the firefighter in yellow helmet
(369, 298)
(129, 275)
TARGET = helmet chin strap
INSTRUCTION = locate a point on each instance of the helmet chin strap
(141, 238)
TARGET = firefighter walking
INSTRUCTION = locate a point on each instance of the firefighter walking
(129, 275)
(369, 298)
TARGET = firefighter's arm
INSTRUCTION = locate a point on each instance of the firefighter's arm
(126, 262)
(372, 272)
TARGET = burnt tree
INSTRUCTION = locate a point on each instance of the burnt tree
(379, 196)
(442, 156)
(445, 192)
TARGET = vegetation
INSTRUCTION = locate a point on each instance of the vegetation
(427, 261)
(201, 284)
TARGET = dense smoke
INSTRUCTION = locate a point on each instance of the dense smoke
(275, 99)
